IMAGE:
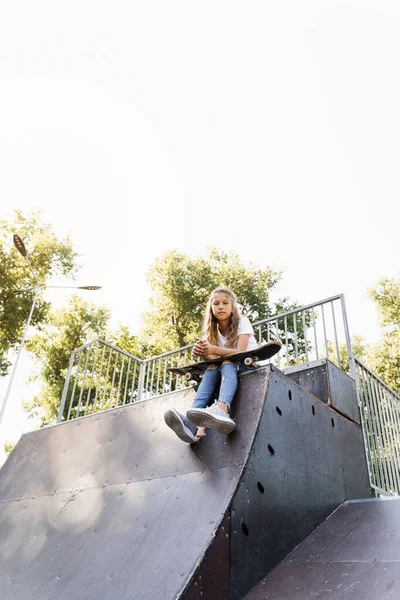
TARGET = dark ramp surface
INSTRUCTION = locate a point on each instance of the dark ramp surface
(355, 554)
(115, 507)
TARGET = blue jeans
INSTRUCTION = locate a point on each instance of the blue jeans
(227, 376)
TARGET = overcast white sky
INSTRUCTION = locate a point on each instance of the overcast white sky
(267, 128)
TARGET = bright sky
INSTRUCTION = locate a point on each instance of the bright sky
(267, 128)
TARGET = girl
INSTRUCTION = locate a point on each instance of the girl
(225, 332)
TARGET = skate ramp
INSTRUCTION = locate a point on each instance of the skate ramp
(115, 506)
(354, 554)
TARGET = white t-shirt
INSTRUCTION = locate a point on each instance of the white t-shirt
(244, 327)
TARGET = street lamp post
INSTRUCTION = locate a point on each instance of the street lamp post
(19, 244)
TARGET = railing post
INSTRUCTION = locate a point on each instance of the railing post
(353, 372)
(66, 384)
(142, 374)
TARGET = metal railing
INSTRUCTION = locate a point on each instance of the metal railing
(310, 333)
(101, 376)
(380, 419)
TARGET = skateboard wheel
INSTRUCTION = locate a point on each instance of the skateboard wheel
(188, 376)
(248, 361)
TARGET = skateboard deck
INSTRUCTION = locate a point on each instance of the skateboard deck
(248, 358)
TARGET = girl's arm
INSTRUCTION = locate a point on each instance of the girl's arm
(209, 351)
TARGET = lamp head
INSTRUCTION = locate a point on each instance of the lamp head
(19, 244)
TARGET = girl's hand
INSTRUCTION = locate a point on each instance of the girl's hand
(202, 348)
(207, 348)
(198, 349)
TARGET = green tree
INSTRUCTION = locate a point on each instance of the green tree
(67, 329)
(359, 347)
(48, 256)
(181, 286)
(384, 357)
(9, 447)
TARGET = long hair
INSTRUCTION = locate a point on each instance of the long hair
(210, 326)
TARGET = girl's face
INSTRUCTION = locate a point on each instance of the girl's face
(221, 306)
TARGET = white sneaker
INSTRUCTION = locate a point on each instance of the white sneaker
(180, 424)
(212, 417)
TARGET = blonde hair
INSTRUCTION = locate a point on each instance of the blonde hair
(210, 326)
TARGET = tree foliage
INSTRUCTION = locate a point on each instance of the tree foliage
(181, 286)
(387, 297)
(48, 256)
(9, 447)
(384, 357)
(66, 330)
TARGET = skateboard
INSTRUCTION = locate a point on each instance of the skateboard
(248, 358)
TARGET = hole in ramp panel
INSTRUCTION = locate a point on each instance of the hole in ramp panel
(271, 450)
(313, 410)
(278, 410)
(245, 529)
(290, 394)
(333, 422)
(260, 487)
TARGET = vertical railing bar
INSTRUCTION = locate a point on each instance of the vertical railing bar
(315, 334)
(91, 378)
(324, 324)
(176, 376)
(120, 378)
(146, 385)
(133, 382)
(127, 379)
(296, 347)
(73, 389)
(142, 375)
(99, 378)
(336, 337)
(153, 368)
(106, 380)
(164, 390)
(158, 376)
(277, 339)
(259, 334)
(305, 334)
(171, 361)
(347, 337)
(113, 380)
(66, 386)
(83, 380)
(287, 343)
